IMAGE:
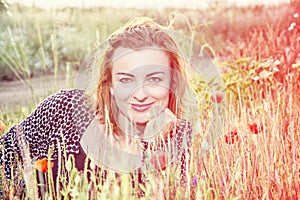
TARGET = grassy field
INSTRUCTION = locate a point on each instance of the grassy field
(258, 52)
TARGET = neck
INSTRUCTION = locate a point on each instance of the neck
(128, 127)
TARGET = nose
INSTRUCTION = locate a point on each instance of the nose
(140, 94)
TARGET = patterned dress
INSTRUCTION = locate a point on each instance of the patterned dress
(59, 122)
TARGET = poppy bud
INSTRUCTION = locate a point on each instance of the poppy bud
(255, 128)
(217, 97)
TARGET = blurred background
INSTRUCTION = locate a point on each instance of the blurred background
(256, 45)
(43, 43)
(148, 4)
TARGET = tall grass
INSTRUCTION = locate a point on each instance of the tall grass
(258, 57)
(257, 166)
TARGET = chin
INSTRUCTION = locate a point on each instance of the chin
(140, 119)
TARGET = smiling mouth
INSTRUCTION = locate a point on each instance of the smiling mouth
(141, 107)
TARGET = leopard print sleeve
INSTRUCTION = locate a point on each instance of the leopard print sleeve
(177, 147)
(59, 119)
(183, 141)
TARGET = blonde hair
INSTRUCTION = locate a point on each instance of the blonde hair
(139, 33)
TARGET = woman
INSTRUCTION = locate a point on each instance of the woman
(128, 123)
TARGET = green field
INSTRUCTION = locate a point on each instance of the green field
(258, 52)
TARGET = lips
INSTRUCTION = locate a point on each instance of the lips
(141, 107)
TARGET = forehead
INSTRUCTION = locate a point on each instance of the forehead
(126, 59)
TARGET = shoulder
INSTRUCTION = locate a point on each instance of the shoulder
(67, 94)
(66, 97)
(64, 105)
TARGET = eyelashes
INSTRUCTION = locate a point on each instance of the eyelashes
(126, 80)
(155, 79)
(129, 80)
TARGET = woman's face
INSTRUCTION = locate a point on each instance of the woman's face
(140, 80)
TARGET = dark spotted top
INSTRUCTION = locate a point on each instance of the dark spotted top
(61, 120)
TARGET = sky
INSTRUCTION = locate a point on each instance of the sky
(158, 4)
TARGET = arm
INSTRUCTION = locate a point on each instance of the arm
(11, 152)
(62, 115)
(15, 146)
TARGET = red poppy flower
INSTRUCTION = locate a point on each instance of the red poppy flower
(217, 97)
(159, 161)
(2, 125)
(255, 128)
(232, 136)
(231, 139)
(42, 165)
(233, 131)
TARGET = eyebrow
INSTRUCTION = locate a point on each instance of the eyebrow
(127, 74)
(154, 73)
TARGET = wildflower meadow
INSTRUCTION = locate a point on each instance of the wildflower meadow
(257, 50)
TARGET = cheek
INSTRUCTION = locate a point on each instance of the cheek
(159, 93)
(124, 93)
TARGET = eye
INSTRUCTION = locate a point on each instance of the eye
(125, 80)
(155, 79)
